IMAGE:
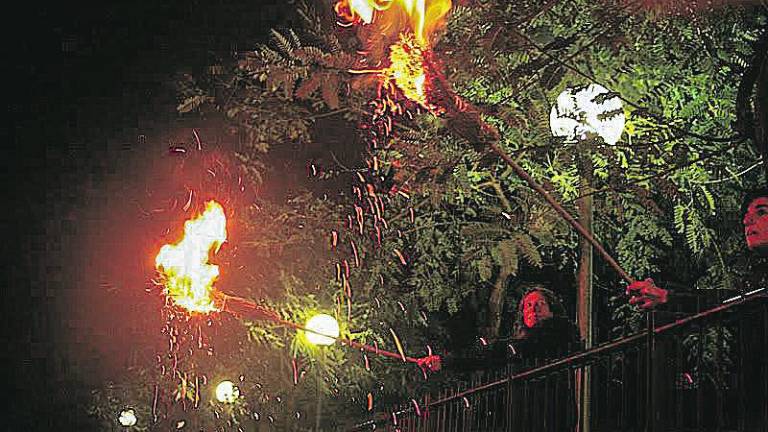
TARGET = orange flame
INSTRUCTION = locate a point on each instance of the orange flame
(188, 276)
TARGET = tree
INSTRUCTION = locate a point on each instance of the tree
(428, 224)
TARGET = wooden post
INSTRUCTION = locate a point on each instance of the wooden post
(318, 394)
(585, 298)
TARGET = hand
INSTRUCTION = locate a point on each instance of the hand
(431, 363)
(645, 294)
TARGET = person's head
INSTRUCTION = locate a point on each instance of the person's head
(535, 308)
(754, 211)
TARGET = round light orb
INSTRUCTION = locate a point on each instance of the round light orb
(227, 392)
(127, 417)
(325, 325)
(587, 110)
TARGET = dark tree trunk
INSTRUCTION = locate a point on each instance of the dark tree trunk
(496, 305)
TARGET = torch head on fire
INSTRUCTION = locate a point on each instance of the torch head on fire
(188, 277)
(398, 35)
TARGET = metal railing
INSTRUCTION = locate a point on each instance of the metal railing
(708, 371)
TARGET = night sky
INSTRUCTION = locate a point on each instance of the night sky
(91, 113)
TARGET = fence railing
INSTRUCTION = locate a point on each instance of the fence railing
(707, 371)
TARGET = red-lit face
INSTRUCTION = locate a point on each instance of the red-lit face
(535, 309)
(756, 224)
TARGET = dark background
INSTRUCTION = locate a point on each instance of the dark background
(90, 114)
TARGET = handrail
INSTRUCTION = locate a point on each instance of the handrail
(583, 357)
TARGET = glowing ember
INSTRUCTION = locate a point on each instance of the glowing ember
(407, 69)
(188, 276)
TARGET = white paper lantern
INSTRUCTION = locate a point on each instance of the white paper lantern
(577, 113)
(324, 325)
(127, 417)
(227, 392)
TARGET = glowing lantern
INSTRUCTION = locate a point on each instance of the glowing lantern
(587, 110)
(324, 325)
(188, 276)
(227, 392)
(127, 417)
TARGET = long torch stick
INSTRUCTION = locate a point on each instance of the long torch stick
(471, 127)
(561, 211)
(241, 307)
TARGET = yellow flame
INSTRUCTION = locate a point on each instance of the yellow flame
(188, 276)
(407, 69)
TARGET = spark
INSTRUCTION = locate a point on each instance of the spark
(354, 250)
(416, 407)
(398, 344)
(400, 256)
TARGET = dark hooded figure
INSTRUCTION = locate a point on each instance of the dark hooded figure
(754, 211)
(645, 294)
(541, 332)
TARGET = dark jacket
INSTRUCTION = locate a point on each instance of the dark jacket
(555, 338)
(525, 348)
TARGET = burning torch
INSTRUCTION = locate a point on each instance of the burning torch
(416, 72)
(189, 278)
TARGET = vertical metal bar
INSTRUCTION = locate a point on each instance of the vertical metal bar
(496, 404)
(699, 389)
(622, 420)
(507, 411)
(764, 364)
(606, 402)
(522, 407)
(649, 408)
(546, 405)
(484, 414)
(741, 383)
(641, 414)
(460, 413)
(511, 404)
(447, 413)
(597, 406)
(679, 387)
(476, 402)
(440, 417)
(461, 416)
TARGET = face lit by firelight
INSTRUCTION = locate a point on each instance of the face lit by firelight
(756, 224)
(535, 309)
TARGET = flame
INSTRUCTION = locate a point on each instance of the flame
(407, 28)
(188, 276)
(421, 17)
(407, 69)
